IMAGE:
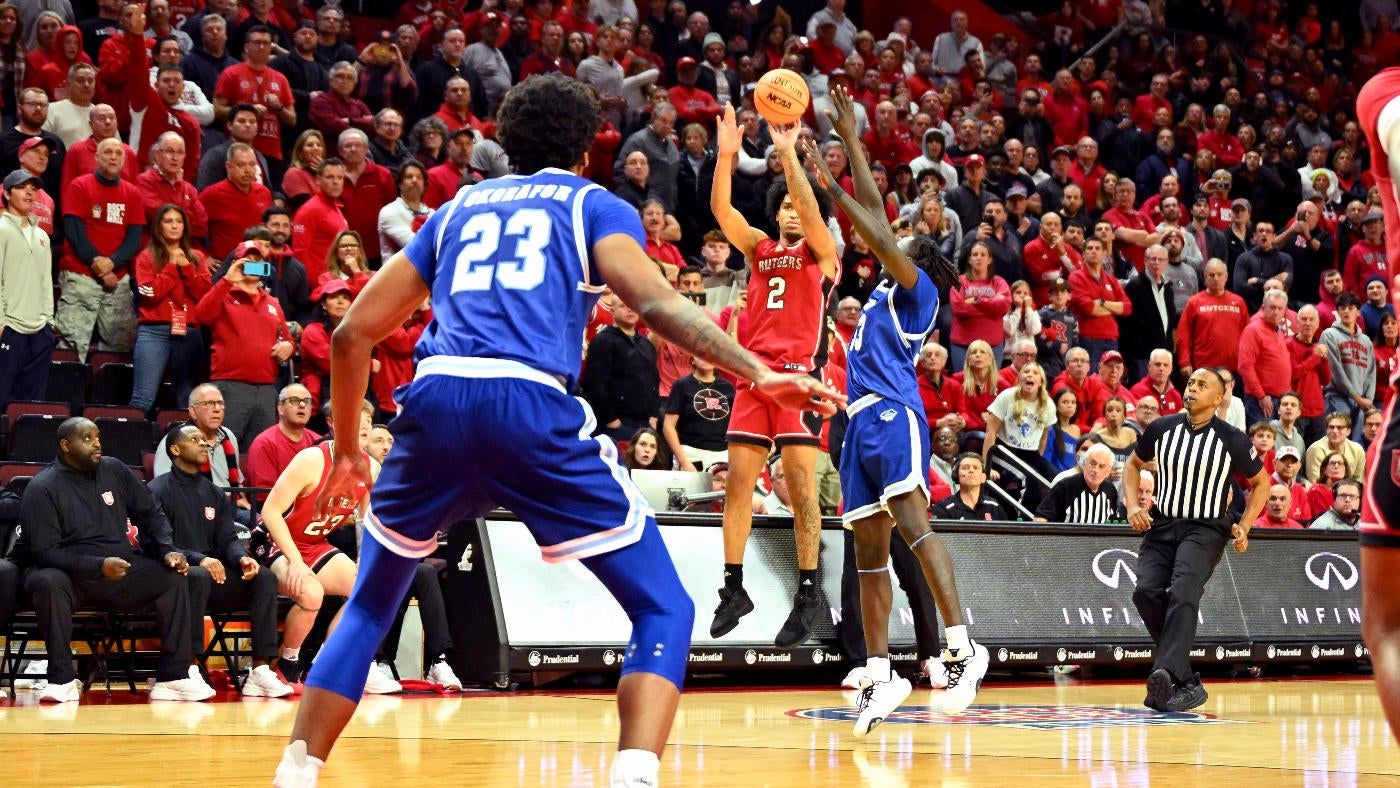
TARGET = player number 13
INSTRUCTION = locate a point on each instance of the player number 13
(481, 236)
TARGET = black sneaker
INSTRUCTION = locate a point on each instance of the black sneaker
(1188, 696)
(291, 669)
(798, 627)
(1160, 689)
(733, 605)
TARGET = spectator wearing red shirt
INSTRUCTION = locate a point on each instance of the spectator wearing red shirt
(1265, 364)
(81, 159)
(155, 110)
(550, 56)
(249, 344)
(1367, 257)
(1208, 333)
(34, 155)
(395, 356)
(164, 184)
(1277, 510)
(1158, 383)
(1228, 149)
(693, 104)
(1311, 373)
(445, 179)
(1066, 110)
(252, 82)
(102, 220)
(368, 188)
(1048, 258)
(888, 142)
(334, 297)
(826, 55)
(980, 386)
(319, 219)
(1088, 389)
(1097, 300)
(114, 60)
(455, 111)
(654, 224)
(274, 447)
(235, 203)
(337, 109)
(171, 278)
(942, 396)
(1146, 105)
(1133, 230)
(1288, 466)
(979, 303)
(1086, 171)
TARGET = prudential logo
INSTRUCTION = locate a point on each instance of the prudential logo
(1111, 566)
(1323, 568)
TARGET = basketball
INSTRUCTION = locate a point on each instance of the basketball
(782, 96)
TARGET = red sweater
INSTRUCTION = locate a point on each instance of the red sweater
(1265, 365)
(245, 327)
(1043, 266)
(271, 452)
(1131, 220)
(114, 62)
(174, 287)
(332, 114)
(941, 401)
(443, 181)
(313, 228)
(1311, 374)
(1170, 400)
(157, 191)
(1227, 148)
(106, 212)
(981, 320)
(395, 354)
(1363, 262)
(1084, 288)
(1091, 395)
(315, 358)
(152, 117)
(231, 213)
(1208, 334)
(974, 408)
(362, 199)
(694, 105)
(893, 150)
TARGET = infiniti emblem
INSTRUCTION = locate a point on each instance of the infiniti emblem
(1331, 566)
(1118, 563)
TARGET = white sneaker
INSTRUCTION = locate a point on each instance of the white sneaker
(297, 769)
(262, 682)
(195, 674)
(858, 678)
(381, 681)
(937, 674)
(965, 674)
(441, 673)
(878, 701)
(62, 693)
(192, 689)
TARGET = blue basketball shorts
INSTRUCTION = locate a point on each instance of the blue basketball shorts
(885, 454)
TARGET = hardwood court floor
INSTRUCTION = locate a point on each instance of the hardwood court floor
(1253, 733)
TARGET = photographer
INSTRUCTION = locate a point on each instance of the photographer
(1004, 246)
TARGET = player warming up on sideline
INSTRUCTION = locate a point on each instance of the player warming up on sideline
(884, 456)
(789, 286)
(514, 266)
(1378, 110)
(1186, 530)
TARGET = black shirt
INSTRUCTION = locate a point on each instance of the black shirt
(1071, 501)
(620, 379)
(1195, 467)
(74, 520)
(200, 516)
(703, 409)
(953, 508)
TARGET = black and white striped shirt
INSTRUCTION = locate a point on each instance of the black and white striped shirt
(1195, 466)
(1071, 501)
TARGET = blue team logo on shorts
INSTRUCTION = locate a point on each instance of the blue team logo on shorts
(1045, 718)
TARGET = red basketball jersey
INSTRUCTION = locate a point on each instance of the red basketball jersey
(1375, 94)
(787, 303)
(307, 531)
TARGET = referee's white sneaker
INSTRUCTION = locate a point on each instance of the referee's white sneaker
(297, 769)
(879, 700)
(192, 688)
(966, 669)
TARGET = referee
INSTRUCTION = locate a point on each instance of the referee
(1197, 454)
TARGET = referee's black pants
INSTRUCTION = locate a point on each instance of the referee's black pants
(1175, 560)
(148, 583)
(910, 574)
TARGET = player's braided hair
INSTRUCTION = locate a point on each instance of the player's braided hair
(925, 254)
(548, 120)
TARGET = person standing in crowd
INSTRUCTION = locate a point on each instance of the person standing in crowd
(236, 202)
(1097, 298)
(26, 280)
(1185, 534)
(320, 220)
(1208, 334)
(253, 82)
(403, 217)
(206, 409)
(1352, 360)
(171, 277)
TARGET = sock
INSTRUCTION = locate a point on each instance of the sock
(733, 576)
(879, 668)
(631, 768)
(806, 581)
(296, 754)
(291, 654)
(956, 638)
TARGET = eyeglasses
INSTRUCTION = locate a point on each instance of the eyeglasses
(40, 104)
(213, 404)
(1023, 355)
(348, 246)
(1349, 496)
(1336, 427)
(296, 401)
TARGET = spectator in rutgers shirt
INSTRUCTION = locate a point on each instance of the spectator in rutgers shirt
(319, 219)
(367, 188)
(252, 82)
(250, 343)
(273, 449)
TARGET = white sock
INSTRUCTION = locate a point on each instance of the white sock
(296, 753)
(956, 638)
(879, 668)
(291, 653)
(631, 765)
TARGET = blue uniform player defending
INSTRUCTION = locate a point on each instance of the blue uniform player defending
(514, 266)
(884, 460)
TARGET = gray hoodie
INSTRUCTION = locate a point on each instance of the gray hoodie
(1353, 362)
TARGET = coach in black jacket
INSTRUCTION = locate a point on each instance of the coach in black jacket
(620, 378)
(1152, 324)
(78, 551)
(972, 482)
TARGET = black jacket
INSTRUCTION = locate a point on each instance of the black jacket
(200, 516)
(1141, 332)
(74, 520)
(432, 79)
(620, 379)
(953, 508)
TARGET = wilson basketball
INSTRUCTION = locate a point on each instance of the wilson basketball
(782, 96)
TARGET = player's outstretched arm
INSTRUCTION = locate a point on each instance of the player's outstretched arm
(843, 120)
(819, 238)
(728, 140)
(874, 230)
(634, 278)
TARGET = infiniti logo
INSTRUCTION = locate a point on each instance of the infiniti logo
(1118, 563)
(1331, 566)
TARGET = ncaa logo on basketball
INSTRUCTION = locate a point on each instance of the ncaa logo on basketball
(750, 657)
(534, 659)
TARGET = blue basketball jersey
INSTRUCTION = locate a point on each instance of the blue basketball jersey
(509, 263)
(886, 343)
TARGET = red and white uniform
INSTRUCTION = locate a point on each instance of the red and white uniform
(308, 533)
(787, 304)
(243, 83)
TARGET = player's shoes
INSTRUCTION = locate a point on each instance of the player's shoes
(806, 607)
(1160, 689)
(62, 693)
(291, 671)
(878, 701)
(192, 688)
(297, 769)
(1188, 695)
(936, 672)
(381, 681)
(857, 679)
(966, 669)
(441, 673)
(733, 605)
(262, 682)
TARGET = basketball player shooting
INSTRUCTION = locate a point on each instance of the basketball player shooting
(1378, 110)
(789, 284)
(884, 458)
(514, 266)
